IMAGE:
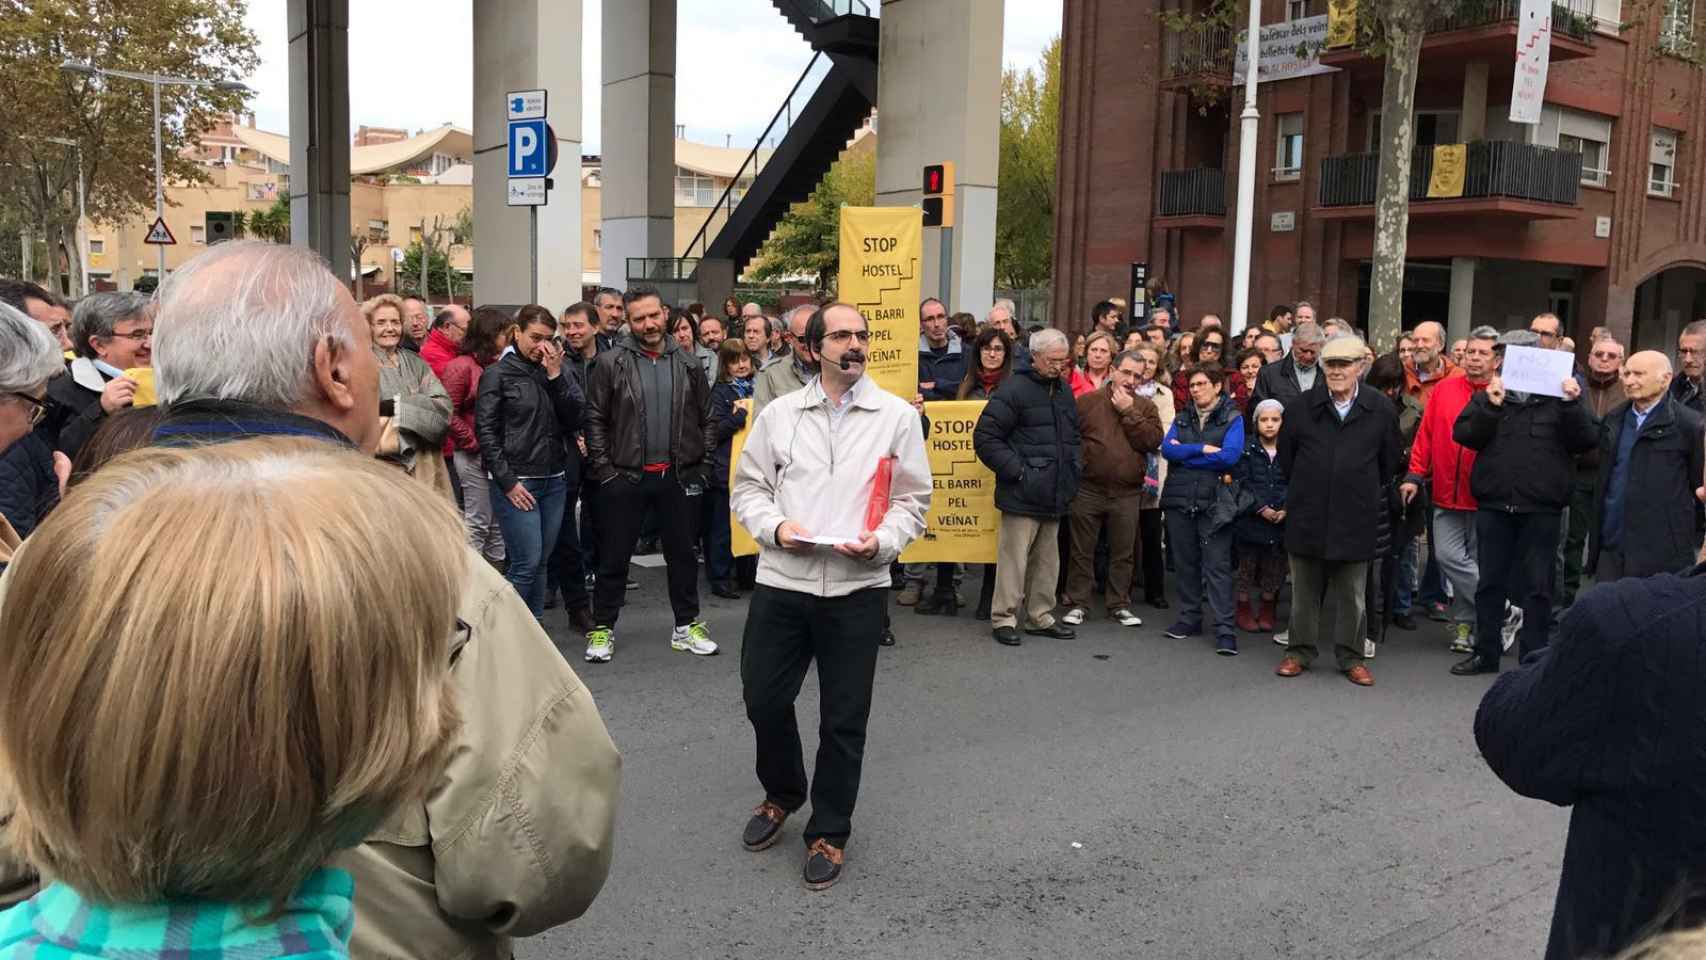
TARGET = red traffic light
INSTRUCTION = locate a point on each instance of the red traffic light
(935, 179)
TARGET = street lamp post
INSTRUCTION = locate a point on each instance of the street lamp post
(156, 81)
(1249, 130)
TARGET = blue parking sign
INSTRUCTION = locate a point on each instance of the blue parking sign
(529, 148)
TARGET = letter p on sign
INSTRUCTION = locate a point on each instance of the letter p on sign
(528, 156)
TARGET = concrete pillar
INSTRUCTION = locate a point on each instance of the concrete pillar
(526, 45)
(638, 134)
(319, 129)
(1461, 318)
(1472, 122)
(939, 93)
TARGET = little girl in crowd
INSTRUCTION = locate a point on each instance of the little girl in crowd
(1260, 532)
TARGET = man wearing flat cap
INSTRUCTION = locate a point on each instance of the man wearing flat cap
(1526, 445)
(1338, 448)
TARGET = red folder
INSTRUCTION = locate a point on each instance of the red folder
(878, 507)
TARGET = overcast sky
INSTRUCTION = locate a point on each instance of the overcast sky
(411, 63)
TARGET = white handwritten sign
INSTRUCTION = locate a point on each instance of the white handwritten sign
(1288, 49)
(1533, 370)
(1533, 56)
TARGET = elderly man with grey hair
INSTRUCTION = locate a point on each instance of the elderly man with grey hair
(29, 360)
(1028, 435)
(788, 373)
(260, 339)
(1003, 316)
(1295, 375)
(111, 333)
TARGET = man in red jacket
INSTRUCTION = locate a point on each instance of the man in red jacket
(1435, 457)
(444, 342)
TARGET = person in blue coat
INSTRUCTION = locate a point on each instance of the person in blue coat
(1202, 447)
(1608, 720)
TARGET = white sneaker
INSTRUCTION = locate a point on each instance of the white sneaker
(1283, 638)
(1368, 649)
(1126, 618)
(694, 638)
(1513, 625)
(1461, 641)
(600, 644)
(1073, 617)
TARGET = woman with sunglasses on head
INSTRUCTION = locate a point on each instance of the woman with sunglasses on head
(1209, 349)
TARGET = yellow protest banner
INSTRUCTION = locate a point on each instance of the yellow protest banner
(882, 249)
(741, 542)
(1341, 23)
(1451, 162)
(963, 525)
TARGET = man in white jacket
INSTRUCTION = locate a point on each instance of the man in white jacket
(802, 487)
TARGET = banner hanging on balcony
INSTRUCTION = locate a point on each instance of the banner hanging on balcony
(1451, 162)
(1289, 49)
(882, 249)
(1533, 56)
(1341, 23)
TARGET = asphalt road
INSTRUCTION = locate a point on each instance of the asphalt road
(1117, 795)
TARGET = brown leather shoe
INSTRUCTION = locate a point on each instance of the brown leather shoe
(1359, 675)
(1290, 667)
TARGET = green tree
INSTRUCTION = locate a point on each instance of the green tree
(273, 223)
(807, 241)
(111, 121)
(409, 272)
(1030, 135)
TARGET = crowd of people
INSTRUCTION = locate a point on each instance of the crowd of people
(1286, 467)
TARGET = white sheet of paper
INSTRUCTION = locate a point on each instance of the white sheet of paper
(1533, 370)
(829, 541)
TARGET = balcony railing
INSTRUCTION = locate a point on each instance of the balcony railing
(1197, 50)
(1494, 169)
(1571, 18)
(1193, 193)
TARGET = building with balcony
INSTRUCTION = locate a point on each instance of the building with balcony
(1598, 212)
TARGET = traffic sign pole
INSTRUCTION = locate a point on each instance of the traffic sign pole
(532, 155)
(533, 252)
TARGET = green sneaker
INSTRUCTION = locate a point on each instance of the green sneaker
(600, 644)
(695, 638)
(1462, 643)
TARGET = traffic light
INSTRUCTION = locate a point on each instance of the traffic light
(939, 195)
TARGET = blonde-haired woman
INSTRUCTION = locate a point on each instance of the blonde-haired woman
(227, 709)
(1151, 561)
(414, 407)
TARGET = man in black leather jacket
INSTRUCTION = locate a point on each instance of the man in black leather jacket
(648, 415)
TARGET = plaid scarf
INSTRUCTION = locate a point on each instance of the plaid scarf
(59, 924)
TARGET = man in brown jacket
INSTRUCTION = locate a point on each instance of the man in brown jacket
(1121, 430)
(515, 837)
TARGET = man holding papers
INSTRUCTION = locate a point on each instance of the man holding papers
(808, 485)
(1522, 480)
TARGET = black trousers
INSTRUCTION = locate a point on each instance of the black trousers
(785, 632)
(566, 568)
(1150, 555)
(1516, 554)
(623, 505)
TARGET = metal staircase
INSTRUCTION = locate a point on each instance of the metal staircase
(811, 135)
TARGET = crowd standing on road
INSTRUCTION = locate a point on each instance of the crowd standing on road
(1290, 481)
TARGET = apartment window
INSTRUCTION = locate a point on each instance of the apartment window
(376, 230)
(1676, 30)
(198, 236)
(1432, 127)
(1609, 14)
(97, 246)
(1288, 146)
(741, 187)
(1296, 9)
(1594, 171)
(694, 189)
(1661, 167)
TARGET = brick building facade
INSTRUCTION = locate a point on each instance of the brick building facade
(1598, 212)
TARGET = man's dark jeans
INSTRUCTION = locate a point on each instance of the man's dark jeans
(1516, 553)
(785, 632)
(623, 506)
(568, 566)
